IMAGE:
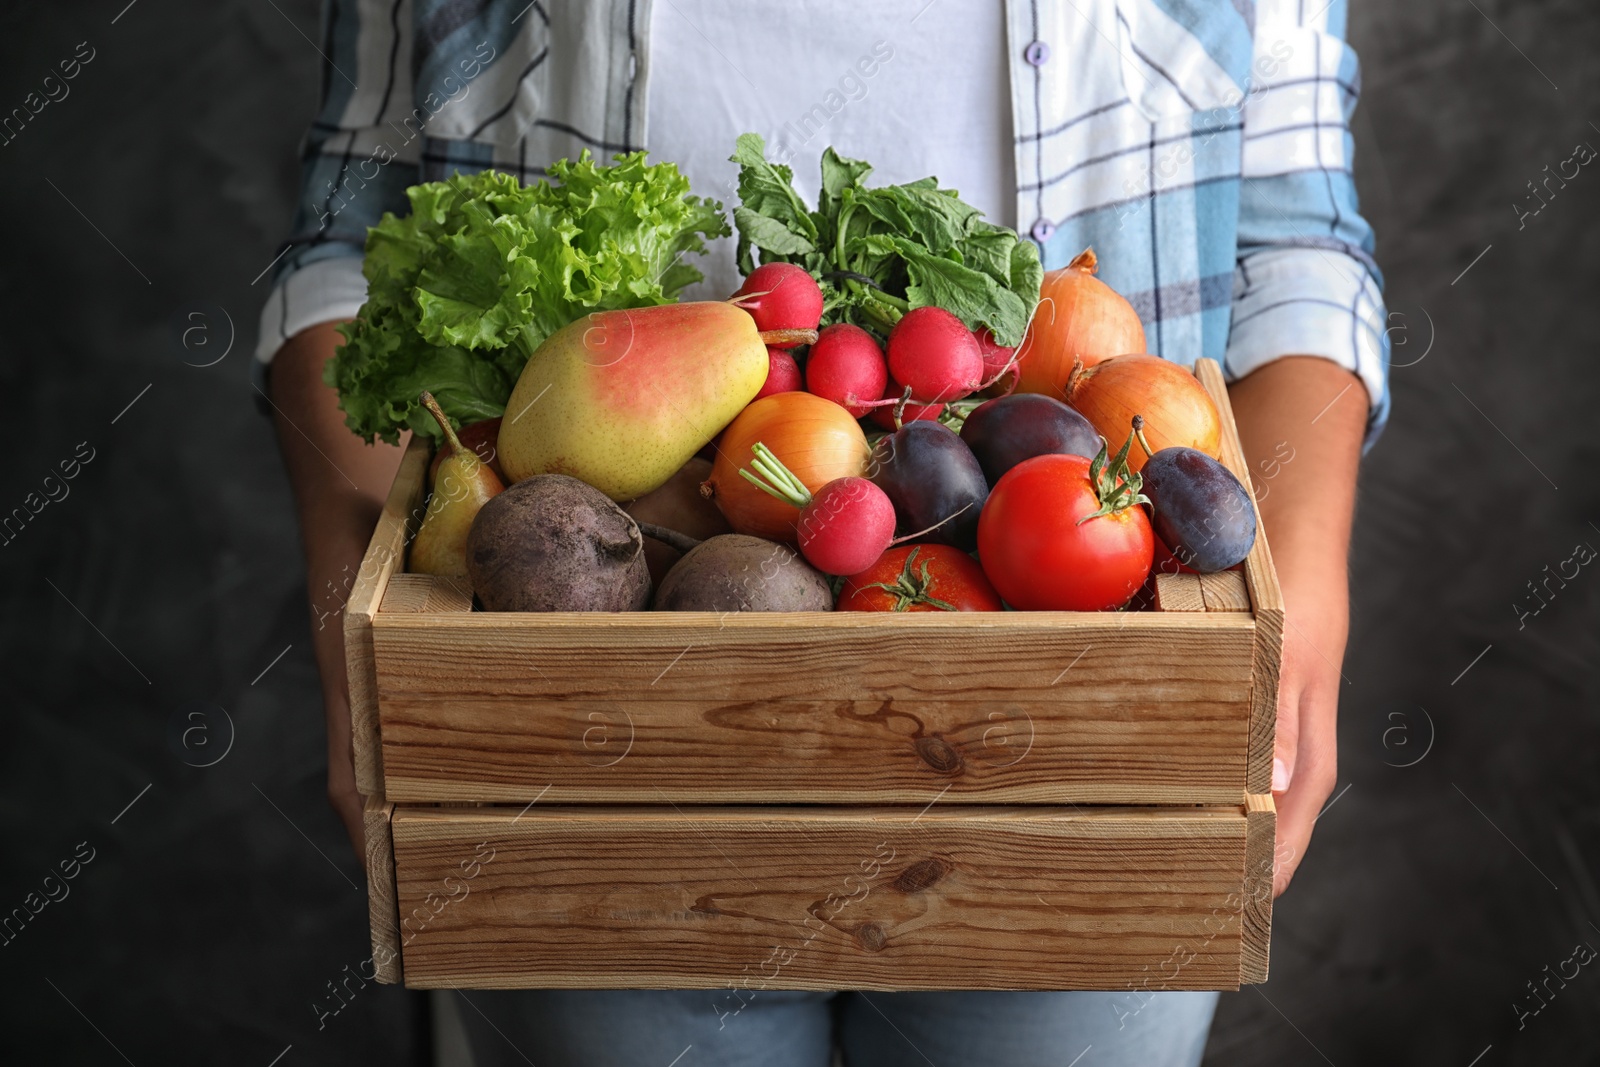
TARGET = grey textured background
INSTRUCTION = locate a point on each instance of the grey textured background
(208, 922)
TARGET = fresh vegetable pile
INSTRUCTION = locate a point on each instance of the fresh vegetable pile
(884, 417)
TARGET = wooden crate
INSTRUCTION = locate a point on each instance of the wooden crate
(1049, 800)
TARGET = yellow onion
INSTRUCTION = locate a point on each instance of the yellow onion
(1177, 409)
(1079, 317)
(815, 438)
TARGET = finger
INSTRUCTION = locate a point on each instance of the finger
(1297, 816)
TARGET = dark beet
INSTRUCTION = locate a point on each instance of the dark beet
(929, 475)
(1202, 513)
(1005, 431)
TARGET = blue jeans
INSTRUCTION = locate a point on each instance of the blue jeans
(770, 1028)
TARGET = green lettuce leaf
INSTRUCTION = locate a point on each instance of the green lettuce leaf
(463, 289)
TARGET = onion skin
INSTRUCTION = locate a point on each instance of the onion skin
(815, 438)
(1177, 409)
(1079, 317)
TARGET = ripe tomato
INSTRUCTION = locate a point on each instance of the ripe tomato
(1039, 555)
(920, 578)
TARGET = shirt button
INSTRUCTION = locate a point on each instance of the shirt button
(1037, 53)
(1043, 230)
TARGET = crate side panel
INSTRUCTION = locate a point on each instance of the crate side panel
(1266, 597)
(720, 898)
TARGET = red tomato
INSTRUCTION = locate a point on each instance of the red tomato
(1039, 556)
(920, 578)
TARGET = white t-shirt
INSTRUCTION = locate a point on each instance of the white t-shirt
(914, 88)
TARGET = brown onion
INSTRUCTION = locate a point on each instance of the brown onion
(815, 438)
(1177, 409)
(1079, 317)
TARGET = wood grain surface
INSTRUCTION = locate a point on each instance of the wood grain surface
(741, 899)
(385, 555)
(1134, 708)
(1224, 591)
(1266, 597)
(382, 913)
(1179, 592)
(1261, 817)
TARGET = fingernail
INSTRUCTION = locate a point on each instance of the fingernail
(1280, 776)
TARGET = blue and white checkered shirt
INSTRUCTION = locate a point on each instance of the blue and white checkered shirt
(1202, 148)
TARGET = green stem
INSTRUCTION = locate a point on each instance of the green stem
(774, 479)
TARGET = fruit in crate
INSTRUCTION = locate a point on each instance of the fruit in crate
(479, 437)
(463, 484)
(1200, 511)
(1063, 533)
(1005, 431)
(553, 543)
(933, 480)
(623, 399)
(920, 578)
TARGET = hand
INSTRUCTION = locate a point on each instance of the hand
(1304, 767)
(339, 485)
(1301, 420)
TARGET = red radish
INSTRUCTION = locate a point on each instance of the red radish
(844, 526)
(997, 359)
(885, 415)
(846, 366)
(934, 353)
(783, 373)
(781, 296)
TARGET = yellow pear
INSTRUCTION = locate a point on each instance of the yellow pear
(462, 485)
(623, 399)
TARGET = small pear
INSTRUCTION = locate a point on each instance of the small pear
(463, 484)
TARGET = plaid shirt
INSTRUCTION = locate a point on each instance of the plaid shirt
(1202, 149)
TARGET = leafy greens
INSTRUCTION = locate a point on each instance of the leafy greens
(879, 252)
(462, 290)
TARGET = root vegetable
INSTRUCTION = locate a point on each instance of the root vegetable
(847, 366)
(935, 354)
(818, 440)
(843, 527)
(781, 296)
(553, 543)
(679, 506)
(733, 572)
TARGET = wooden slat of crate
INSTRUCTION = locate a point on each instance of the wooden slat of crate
(947, 897)
(1266, 597)
(1136, 708)
(1261, 818)
(385, 555)
(382, 913)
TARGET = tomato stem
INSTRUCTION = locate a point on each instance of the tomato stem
(911, 587)
(1116, 487)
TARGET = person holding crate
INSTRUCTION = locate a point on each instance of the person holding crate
(1203, 150)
